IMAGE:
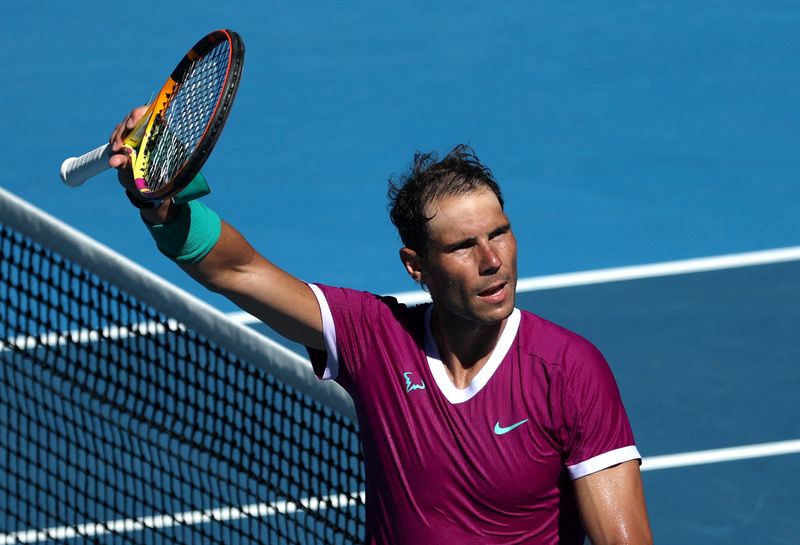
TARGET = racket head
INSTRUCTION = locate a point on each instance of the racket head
(186, 118)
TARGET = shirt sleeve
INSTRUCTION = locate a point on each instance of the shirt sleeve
(358, 327)
(328, 360)
(598, 432)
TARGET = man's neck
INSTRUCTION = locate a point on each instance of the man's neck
(464, 347)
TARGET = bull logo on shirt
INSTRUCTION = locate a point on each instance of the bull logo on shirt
(410, 385)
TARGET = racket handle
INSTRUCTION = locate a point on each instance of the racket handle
(76, 170)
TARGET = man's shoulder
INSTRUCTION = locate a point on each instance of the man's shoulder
(553, 343)
(370, 303)
(541, 329)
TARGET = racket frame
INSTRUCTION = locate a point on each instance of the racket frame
(74, 171)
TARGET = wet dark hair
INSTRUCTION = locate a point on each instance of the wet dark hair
(429, 179)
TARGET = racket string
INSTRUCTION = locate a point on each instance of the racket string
(180, 127)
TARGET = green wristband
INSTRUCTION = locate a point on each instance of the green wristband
(197, 188)
(190, 235)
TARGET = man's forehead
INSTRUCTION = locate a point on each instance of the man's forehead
(464, 215)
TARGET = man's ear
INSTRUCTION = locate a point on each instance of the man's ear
(413, 264)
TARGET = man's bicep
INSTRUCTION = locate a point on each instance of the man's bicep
(612, 506)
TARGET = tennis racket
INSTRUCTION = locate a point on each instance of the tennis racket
(172, 140)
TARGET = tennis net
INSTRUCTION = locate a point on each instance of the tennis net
(131, 412)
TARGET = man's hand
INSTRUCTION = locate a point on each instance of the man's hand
(120, 160)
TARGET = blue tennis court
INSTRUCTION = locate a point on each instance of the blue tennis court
(622, 136)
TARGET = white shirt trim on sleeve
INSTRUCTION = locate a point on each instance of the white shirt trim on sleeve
(329, 333)
(603, 461)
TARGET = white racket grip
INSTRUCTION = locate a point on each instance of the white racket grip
(76, 170)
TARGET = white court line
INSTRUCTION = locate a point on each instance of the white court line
(225, 514)
(669, 268)
(84, 336)
(614, 274)
(731, 454)
(189, 518)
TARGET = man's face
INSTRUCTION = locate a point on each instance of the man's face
(470, 264)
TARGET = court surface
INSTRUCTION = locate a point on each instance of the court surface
(624, 135)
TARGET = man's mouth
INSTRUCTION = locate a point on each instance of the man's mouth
(492, 290)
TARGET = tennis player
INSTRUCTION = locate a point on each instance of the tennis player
(481, 423)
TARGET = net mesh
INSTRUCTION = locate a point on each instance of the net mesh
(119, 424)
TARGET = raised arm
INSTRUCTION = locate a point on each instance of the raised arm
(612, 506)
(234, 268)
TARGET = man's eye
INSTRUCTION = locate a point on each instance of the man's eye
(461, 246)
(500, 231)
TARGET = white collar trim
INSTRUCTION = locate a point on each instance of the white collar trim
(446, 386)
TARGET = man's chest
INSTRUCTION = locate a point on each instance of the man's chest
(494, 448)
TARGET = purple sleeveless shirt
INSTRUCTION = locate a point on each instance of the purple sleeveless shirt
(490, 464)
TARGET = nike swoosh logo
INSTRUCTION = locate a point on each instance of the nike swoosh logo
(500, 430)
